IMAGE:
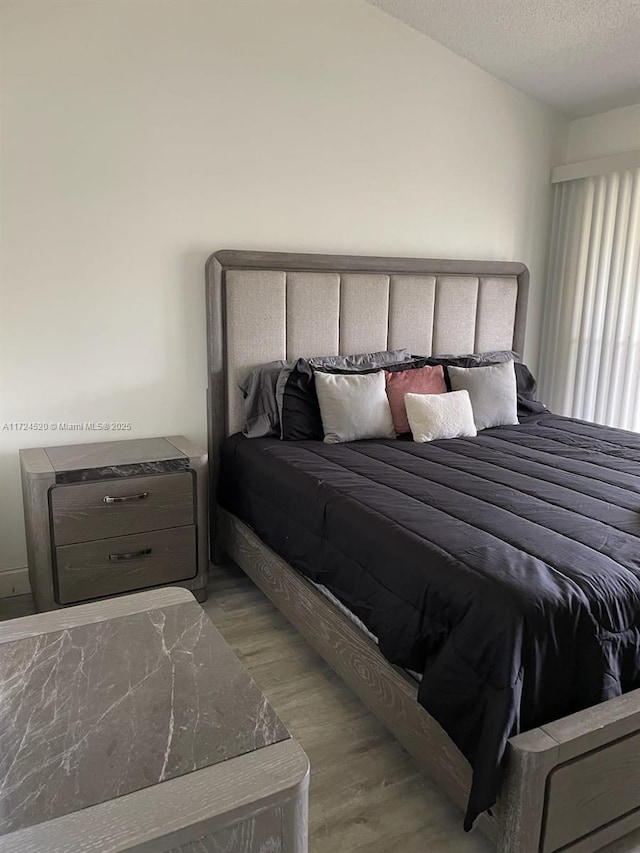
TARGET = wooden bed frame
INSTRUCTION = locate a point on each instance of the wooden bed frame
(572, 785)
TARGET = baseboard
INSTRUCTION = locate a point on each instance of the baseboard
(14, 582)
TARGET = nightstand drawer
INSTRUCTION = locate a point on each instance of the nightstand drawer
(110, 566)
(82, 512)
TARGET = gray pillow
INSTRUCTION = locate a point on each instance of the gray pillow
(354, 406)
(490, 357)
(260, 407)
(363, 359)
(492, 390)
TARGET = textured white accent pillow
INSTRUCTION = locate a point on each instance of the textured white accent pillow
(493, 392)
(354, 406)
(433, 416)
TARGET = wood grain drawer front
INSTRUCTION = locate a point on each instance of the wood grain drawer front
(80, 512)
(107, 567)
(589, 792)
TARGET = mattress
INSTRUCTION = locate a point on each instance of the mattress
(504, 568)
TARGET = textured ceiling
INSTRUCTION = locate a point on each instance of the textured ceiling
(579, 56)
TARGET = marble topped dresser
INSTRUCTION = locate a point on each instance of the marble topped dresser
(129, 725)
(114, 516)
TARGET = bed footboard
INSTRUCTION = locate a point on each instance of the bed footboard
(574, 784)
(571, 786)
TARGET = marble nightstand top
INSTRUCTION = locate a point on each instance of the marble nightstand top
(76, 463)
(104, 699)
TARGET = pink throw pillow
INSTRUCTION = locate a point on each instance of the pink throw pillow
(422, 380)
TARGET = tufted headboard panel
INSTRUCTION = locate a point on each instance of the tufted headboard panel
(264, 306)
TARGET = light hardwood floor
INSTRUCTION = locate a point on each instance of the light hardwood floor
(366, 793)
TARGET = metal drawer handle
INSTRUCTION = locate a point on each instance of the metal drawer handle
(132, 555)
(125, 498)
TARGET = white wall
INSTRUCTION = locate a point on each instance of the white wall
(138, 137)
(613, 132)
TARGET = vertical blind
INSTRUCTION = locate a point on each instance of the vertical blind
(590, 360)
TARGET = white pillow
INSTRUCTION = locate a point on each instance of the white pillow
(433, 416)
(354, 406)
(493, 392)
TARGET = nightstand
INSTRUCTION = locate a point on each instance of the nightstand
(112, 517)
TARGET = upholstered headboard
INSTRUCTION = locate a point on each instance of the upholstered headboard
(264, 306)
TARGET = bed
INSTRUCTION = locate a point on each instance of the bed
(569, 784)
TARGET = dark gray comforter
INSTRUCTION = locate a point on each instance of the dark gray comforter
(505, 568)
